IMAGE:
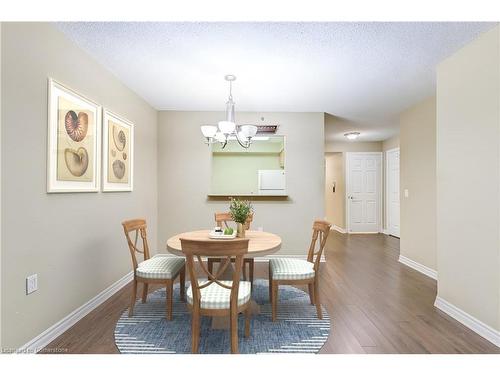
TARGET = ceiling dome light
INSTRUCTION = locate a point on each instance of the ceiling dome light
(351, 135)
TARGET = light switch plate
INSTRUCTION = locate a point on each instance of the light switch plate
(31, 284)
(407, 193)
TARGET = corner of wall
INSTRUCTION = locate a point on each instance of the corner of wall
(390, 143)
(158, 217)
(418, 175)
(1, 284)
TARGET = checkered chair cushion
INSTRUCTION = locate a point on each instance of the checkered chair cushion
(217, 297)
(160, 267)
(291, 269)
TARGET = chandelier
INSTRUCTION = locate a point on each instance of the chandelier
(227, 129)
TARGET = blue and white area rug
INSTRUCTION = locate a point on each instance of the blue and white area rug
(296, 330)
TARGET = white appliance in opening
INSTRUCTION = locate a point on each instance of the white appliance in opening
(272, 181)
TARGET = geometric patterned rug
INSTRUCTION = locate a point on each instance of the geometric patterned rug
(296, 330)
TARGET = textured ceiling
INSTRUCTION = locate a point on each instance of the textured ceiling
(365, 73)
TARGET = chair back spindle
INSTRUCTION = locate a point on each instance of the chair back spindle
(321, 230)
(226, 250)
(134, 229)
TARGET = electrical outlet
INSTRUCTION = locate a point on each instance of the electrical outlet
(31, 284)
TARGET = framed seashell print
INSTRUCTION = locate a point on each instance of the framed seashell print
(118, 153)
(74, 132)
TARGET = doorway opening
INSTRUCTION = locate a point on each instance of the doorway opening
(335, 190)
(392, 206)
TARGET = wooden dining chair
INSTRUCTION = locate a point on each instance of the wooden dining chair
(222, 218)
(156, 270)
(212, 296)
(289, 271)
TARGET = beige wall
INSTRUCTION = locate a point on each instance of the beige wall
(335, 202)
(418, 175)
(354, 146)
(335, 125)
(390, 143)
(184, 177)
(74, 241)
(1, 255)
(468, 179)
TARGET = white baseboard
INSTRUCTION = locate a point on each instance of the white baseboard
(418, 267)
(51, 333)
(385, 231)
(339, 229)
(469, 321)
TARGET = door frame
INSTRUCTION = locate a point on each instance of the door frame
(386, 193)
(347, 188)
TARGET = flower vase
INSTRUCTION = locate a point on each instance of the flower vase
(241, 230)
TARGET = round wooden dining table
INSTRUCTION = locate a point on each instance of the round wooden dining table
(259, 244)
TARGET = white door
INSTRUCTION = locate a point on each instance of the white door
(363, 191)
(392, 192)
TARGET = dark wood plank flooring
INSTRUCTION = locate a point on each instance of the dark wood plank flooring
(376, 304)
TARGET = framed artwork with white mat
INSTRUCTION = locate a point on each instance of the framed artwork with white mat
(73, 141)
(118, 153)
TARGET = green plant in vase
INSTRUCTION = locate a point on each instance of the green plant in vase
(240, 211)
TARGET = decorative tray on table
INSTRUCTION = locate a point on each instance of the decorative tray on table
(221, 236)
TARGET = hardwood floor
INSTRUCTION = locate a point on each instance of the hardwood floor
(376, 304)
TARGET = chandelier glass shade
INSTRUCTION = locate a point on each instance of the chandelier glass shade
(208, 131)
(227, 128)
(248, 131)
